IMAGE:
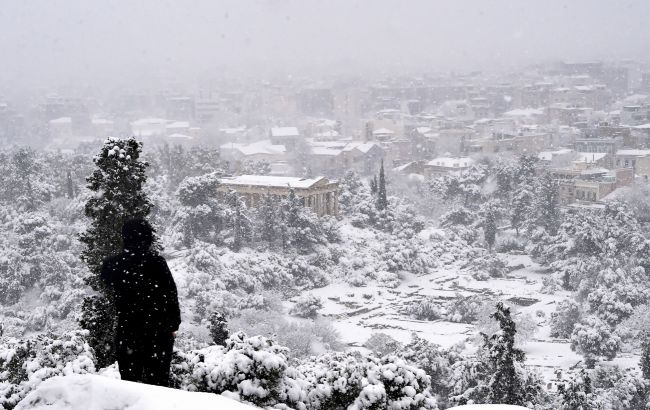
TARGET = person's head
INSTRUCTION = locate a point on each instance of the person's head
(137, 234)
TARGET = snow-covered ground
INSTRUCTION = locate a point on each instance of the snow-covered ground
(359, 312)
(90, 392)
(489, 407)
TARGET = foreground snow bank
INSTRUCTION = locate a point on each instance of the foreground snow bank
(489, 407)
(90, 392)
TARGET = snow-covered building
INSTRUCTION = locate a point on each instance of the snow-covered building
(287, 136)
(583, 182)
(264, 150)
(336, 157)
(442, 166)
(319, 193)
(149, 127)
(102, 127)
(61, 127)
(637, 159)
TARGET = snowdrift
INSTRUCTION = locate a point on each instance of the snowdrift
(90, 392)
(489, 407)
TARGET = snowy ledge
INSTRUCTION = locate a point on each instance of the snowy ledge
(489, 407)
(90, 392)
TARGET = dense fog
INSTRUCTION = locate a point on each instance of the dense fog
(324, 205)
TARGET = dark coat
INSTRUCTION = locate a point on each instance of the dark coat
(146, 298)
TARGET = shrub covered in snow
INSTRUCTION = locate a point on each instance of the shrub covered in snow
(565, 317)
(257, 370)
(487, 265)
(253, 368)
(24, 364)
(304, 338)
(426, 308)
(382, 344)
(356, 382)
(435, 361)
(463, 309)
(307, 306)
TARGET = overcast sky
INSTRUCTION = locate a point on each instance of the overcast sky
(45, 42)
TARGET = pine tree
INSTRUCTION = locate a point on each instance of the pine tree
(238, 221)
(69, 185)
(548, 207)
(382, 201)
(268, 218)
(202, 212)
(522, 200)
(117, 183)
(25, 168)
(489, 214)
(218, 328)
(373, 185)
(506, 385)
(576, 393)
(645, 357)
(300, 227)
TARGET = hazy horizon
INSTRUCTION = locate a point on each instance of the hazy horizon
(113, 43)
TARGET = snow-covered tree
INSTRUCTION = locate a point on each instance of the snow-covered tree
(576, 393)
(547, 204)
(567, 314)
(307, 306)
(465, 187)
(505, 385)
(218, 328)
(202, 214)
(644, 362)
(595, 340)
(489, 214)
(117, 183)
(299, 225)
(267, 219)
(238, 223)
(520, 207)
(382, 200)
(498, 374)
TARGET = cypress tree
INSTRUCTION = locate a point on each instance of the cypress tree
(382, 201)
(645, 357)
(238, 221)
(218, 328)
(506, 385)
(373, 185)
(576, 393)
(548, 207)
(69, 185)
(117, 183)
(268, 219)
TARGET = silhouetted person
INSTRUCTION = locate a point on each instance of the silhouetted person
(146, 301)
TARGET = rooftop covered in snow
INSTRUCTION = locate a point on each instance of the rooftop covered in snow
(284, 132)
(273, 181)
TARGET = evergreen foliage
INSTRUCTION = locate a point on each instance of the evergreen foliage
(505, 385)
(239, 227)
(117, 183)
(644, 363)
(218, 328)
(576, 394)
(267, 219)
(382, 200)
(547, 203)
(489, 215)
